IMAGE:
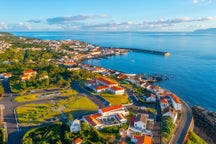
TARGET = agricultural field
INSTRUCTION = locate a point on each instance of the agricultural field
(33, 114)
(116, 99)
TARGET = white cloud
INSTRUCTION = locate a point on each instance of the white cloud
(202, 1)
(3, 26)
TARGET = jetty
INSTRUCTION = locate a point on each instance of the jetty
(149, 51)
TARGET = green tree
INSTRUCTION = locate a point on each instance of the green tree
(70, 117)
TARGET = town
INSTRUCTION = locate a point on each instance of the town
(48, 88)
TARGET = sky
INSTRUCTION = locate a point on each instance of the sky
(107, 15)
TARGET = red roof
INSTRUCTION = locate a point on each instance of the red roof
(117, 88)
(144, 139)
(77, 140)
(101, 87)
(111, 108)
(92, 119)
(106, 80)
(7, 74)
(175, 98)
(164, 101)
(155, 87)
(29, 71)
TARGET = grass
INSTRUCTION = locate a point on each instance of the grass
(194, 138)
(33, 114)
(116, 99)
(33, 97)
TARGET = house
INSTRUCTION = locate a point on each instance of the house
(77, 141)
(117, 90)
(75, 126)
(90, 83)
(151, 98)
(164, 103)
(108, 116)
(143, 139)
(106, 82)
(140, 122)
(100, 88)
(113, 110)
(176, 103)
(28, 74)
(170, 112)
(5, 75)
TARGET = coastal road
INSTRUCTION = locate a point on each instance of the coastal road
(183, 125)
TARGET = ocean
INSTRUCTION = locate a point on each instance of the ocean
(192, 63)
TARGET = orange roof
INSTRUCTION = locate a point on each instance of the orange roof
(163, 94)
(106, 80)
(111, 108)
(92, 119)
(144, 139)
(69, 63)
(77, 140)
(175, 98)
(155, 87)
(7, 74)
(164, 101)
(101, 87)
(29, 71)
(117, 88)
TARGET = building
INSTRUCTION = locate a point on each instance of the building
(28, 74)
(77, 141)
(102, 84)
(143, 139)
(176, 103)
(164, 103)
(140, 122)
(170, 112)
(75, 126)
(108, 116)
(151, 98)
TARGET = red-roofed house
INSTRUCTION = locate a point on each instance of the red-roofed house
(77, 141)
(176, 103)
(92, 120)
(144, 139)
(151, 98)
(113, 110)
(117, 90)
(106, 81)
(164, 103)
(100, 88)
(28, 74)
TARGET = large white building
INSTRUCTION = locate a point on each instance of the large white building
(176, 103)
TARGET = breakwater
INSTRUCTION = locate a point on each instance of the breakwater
(149, 51)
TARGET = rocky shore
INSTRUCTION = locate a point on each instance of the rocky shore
(205, 124)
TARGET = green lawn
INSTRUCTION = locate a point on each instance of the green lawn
(31, 114)
(195, 139)
(33, 97)
(116, 99)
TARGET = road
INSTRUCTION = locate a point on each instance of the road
(183, 125)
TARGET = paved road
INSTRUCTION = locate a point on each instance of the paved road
(183, 125)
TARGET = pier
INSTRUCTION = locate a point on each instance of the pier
(149, 51)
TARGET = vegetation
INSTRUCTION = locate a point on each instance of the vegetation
(195, 139)
(31, 114)
(45, 135)
(167, 128)
(2, 136)
(116, 99)
(38, 96)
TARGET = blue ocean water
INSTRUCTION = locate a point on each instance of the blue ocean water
(192, 61)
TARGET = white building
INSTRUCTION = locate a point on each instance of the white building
(117, 90)
(140, 122)
(164, 103)
(151, 98)
(75, 126)
(176, 103)
(170, 112)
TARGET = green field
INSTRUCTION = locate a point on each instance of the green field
(32, 114)
(33, 97)
(116, 99)
(195, 139)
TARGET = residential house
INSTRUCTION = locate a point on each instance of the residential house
(28, 74)
(75, 126)
(140, 122)
(176, 103)
(77, 141)
(143, 139)
(117, 90)
(169, 111)
(164, 103)
(151, 98)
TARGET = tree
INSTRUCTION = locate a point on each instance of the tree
(70, 117)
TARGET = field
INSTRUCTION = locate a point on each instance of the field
(39, 96)
(33, 114)
(116, 99)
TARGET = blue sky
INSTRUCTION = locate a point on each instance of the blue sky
(107, 15)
